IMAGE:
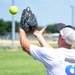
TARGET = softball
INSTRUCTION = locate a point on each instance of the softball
(13, 10)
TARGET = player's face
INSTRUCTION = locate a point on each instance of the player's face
(59, 41)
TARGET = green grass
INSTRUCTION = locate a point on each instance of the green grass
(19, 63)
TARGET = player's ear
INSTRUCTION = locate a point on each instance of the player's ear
(62, 39)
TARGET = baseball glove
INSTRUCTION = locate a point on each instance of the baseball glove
(28, 20)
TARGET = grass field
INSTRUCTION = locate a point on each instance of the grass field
(19, 63)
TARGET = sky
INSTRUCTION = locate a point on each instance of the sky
(46, 11)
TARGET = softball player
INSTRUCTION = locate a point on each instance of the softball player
(57, 61)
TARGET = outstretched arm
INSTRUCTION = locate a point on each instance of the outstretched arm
(40, 38)
(24, 41)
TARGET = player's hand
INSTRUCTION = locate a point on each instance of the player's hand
(37, 33)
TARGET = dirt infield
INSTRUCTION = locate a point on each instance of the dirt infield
(17, 43)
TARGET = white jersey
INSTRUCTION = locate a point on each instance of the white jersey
(60, 61)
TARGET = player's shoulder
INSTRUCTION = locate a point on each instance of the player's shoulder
(65, 51)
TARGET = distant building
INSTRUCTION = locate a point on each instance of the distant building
(54, 36)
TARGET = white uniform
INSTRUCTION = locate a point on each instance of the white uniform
(60, 61)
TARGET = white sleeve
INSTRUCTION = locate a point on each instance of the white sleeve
(42, 54)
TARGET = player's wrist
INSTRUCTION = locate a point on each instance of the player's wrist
(38, 36)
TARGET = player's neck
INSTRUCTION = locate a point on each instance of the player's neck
(66, 46)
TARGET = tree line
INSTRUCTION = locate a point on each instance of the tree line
(6, 26)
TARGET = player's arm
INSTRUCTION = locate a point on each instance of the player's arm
(24, 41)
(40, 38)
